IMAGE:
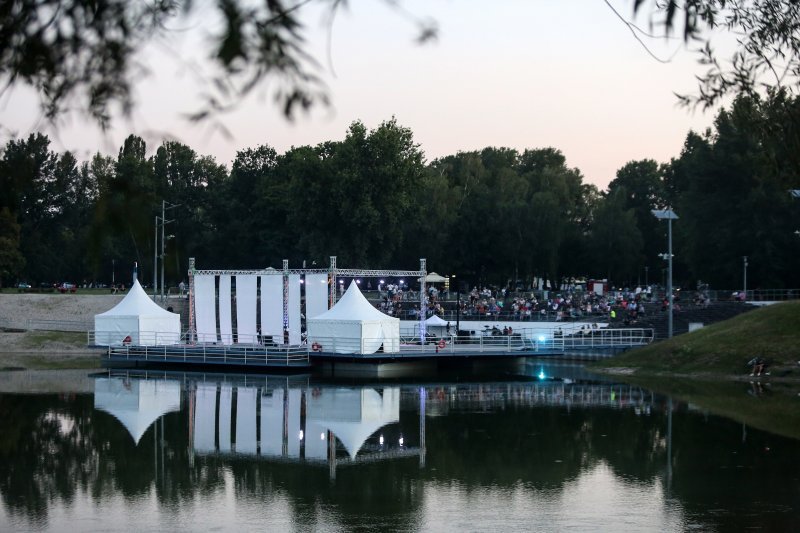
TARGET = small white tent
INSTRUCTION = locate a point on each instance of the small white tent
(139, 317)
(136, 403)
(354, 326)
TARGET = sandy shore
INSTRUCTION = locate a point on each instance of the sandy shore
(17, 310)
(21, 348)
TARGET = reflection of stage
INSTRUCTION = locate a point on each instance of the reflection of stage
(337, 426)
(270, 419)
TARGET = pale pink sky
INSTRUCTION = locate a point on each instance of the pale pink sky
(514, 73)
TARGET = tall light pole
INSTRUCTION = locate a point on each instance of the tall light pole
(669, 215)
(155, 258)
(164, 222)
(744, 299)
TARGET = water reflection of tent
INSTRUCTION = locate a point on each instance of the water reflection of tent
(353, 415)
(433, 277)
(136, 403)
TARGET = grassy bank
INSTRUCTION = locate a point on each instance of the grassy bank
(723, 349)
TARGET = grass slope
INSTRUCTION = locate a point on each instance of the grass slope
(772, 332)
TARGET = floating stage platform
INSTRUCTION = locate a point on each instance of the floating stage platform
(411, 353)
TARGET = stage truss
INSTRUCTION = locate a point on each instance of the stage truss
(333, 273)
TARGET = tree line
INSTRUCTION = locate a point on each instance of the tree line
(374, 201)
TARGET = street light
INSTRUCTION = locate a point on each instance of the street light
(668, 215)
(164, 206)
(744, 298)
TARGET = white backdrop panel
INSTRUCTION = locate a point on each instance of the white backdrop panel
(316, 295)
(225, 321)
(225, 402)
(205, 418)
(294, 309)
(246, 301)
(293, 422)
(272, 424)
(205, 308)
(272, 306)
(246, 420)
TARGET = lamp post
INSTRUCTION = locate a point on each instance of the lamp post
(668, 215)
(744, 298)
(646, 270)
(458, 304)
(164, 206)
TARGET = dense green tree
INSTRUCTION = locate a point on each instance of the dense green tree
(616, 241)
(644, 187)
(11, 259)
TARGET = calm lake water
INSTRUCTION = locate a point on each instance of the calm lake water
(229, 453)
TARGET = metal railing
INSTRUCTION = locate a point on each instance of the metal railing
(211, 354)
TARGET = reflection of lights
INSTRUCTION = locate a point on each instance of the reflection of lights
(401, 440)
(322, 436)
(541, 373)
(301, 434)
(541, 338)
(380, 440)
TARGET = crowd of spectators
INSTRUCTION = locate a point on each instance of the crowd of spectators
(626, 306)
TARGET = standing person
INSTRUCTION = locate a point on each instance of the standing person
(182, 287)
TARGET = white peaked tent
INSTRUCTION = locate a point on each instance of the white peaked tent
(139, 317)
(136, 403)
(436, 322)
(354, 326)
(353, 415)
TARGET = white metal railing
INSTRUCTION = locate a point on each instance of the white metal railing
(211, 354)
(155, 346)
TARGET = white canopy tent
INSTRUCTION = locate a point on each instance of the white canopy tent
(353, 325)
(433, 277)
(136, 403)
(137, 317)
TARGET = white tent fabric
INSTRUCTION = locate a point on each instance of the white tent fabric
(246, 301)
(136, 403)
(139, 317)
(354, 326)
(433, 277)
(225, 320)
(436, 322)
(205, 307)
(353, 415)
